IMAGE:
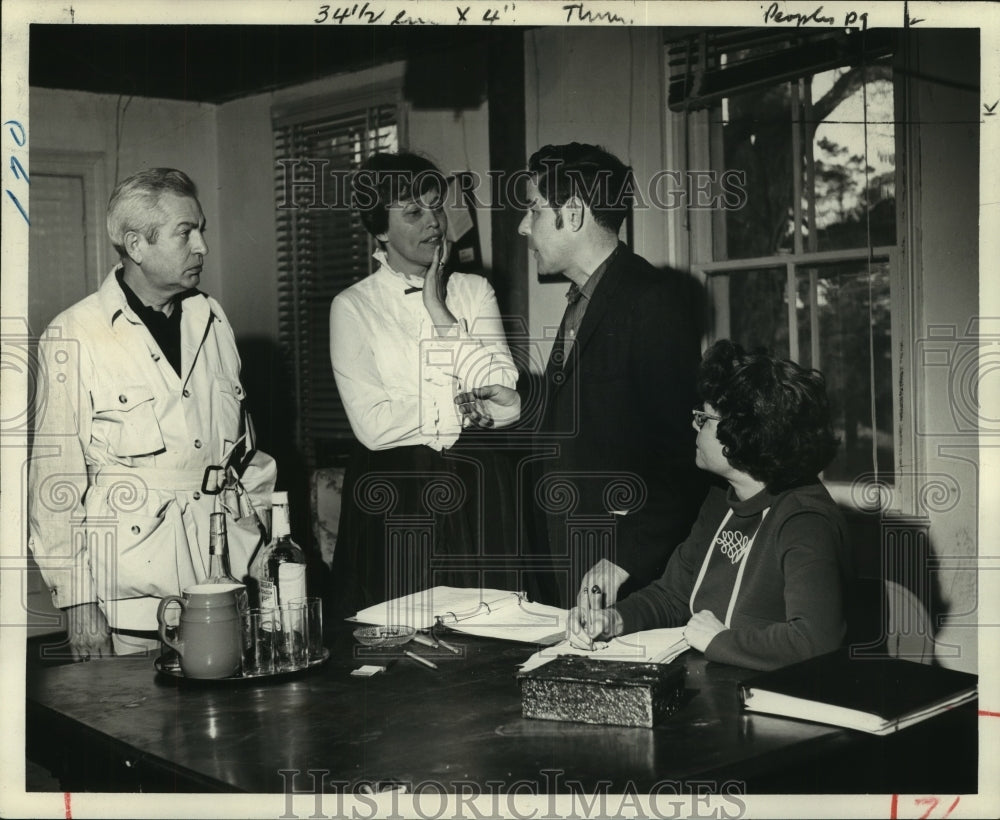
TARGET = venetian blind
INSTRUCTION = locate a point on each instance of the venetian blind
(322, 249)
(709, 64)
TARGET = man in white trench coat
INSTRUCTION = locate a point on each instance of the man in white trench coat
(140, 412)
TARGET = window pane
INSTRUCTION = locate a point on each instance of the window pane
(835, 129)
(837, 305)
(752, 309)
(757, 143)
(854, 160)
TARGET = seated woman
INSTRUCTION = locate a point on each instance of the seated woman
(760, 580)
(420, 508)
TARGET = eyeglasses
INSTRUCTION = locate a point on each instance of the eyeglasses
(700, 417)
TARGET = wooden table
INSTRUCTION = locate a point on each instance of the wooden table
(117, 725)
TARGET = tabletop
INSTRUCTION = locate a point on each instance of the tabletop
(449, 727)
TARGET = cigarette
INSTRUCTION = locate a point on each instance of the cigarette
(418, 659)
(449, 647)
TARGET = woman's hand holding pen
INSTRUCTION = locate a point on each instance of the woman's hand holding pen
(435, 290)
(590, 618)
(584, 626)
(586, 623)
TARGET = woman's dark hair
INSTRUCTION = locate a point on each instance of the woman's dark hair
(775, 414)
(384, 179)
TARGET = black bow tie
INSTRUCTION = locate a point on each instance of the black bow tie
(573, 294)
(412, 290)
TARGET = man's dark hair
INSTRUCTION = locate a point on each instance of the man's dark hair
(589, 172)
(776, 422)
(385, 179)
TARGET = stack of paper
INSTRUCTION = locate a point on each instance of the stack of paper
(649, 646)
(491, 613)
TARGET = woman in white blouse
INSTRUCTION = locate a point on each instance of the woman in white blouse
(420, 508)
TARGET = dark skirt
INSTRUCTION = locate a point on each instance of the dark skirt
(413, 518)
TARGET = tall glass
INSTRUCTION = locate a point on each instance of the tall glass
(314, 626)
(291, 637)
(259, 633)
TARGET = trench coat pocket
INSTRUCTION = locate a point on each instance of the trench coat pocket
(145, 557)
(125, 417)
(227, 415)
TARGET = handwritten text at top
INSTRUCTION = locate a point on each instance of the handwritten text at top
(852, 19)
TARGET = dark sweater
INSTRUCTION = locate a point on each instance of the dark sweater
(791, 601)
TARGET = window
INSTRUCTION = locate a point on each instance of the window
(322, 249)
(801, 261)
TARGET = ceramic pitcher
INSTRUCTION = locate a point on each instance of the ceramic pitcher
(209, 640)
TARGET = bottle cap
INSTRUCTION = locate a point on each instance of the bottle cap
(279, 497)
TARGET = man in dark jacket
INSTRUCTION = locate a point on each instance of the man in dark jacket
(616, 479)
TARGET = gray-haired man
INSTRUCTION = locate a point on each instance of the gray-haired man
(140, 397)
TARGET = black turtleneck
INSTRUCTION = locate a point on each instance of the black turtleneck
(165, 330)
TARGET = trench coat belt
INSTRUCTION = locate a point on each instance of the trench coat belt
(154, 478)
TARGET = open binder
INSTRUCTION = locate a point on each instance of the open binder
(494, 613)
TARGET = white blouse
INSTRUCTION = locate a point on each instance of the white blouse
(396, 377)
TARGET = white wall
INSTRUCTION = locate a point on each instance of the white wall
(459, 141)
(947, 292)
(154, 133)
(601, 86)
(247, 235)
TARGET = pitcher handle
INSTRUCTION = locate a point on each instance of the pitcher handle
(162, 625)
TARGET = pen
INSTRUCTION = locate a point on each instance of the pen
(425, 640)
(418, 659)
(595, 595)
(449, 647)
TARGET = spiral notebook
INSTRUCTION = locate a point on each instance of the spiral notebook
(491, 613)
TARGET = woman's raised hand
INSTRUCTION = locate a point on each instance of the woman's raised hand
(436, 289)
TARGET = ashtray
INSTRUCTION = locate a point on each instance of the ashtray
(384, 635)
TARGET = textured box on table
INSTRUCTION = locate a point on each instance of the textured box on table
(617, 693)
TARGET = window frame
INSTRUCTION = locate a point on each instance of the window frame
(691, 138)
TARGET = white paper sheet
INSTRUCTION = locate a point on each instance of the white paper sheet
(649, 646)
(527, 622)
(492, 613)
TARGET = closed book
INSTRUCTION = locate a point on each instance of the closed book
(877, 695)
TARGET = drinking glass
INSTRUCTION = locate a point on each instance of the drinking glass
(291, 637)
(258, 641)
(314, 625)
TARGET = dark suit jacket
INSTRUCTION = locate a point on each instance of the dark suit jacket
(619, 412)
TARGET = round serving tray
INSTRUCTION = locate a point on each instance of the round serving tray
(178, 675)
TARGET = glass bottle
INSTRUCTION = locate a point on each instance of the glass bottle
(278, 570)
(219, 571)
